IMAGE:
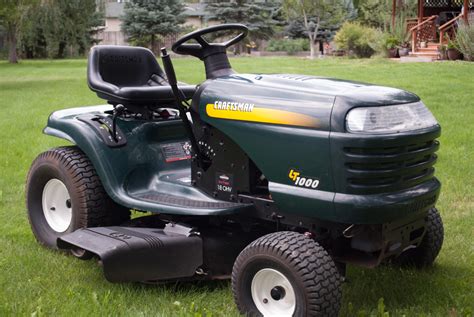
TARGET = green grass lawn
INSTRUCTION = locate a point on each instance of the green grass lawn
(37, 281)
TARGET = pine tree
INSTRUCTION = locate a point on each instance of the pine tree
(258, 16)
(144, 20)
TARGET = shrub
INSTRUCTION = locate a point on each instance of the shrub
(391, 42)
(291, 46)
(452, 45)
(465, 40)
(360, 40)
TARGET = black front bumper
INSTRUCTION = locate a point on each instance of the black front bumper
(387, 207)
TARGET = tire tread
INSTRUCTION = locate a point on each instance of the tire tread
(96, 207)
(425, 254)
(316, 269)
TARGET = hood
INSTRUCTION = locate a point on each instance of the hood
(357, 91)
(307, 100)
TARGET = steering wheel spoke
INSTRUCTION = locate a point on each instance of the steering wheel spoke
(190, 49)
(202, 41)
(235, 40)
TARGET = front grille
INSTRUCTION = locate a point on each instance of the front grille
(384, 169)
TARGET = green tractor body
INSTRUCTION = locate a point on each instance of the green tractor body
(301, 163)
(287, 125)
(297, 126)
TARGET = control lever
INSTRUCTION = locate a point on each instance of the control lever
(103, 126)
(180, 100)
(118, 110)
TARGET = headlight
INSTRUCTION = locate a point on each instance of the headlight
(390, 119)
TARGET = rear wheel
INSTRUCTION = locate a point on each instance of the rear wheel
(64, 193)
(425, 254)
(286, 274)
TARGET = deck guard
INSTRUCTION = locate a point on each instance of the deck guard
(138, 254)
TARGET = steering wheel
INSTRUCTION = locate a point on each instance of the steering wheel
(203, 48)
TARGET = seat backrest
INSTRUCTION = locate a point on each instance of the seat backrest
(120, 66)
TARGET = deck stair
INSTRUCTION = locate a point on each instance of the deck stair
(431, 51)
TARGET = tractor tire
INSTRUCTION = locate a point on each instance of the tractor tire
(64, 193)
(286, 274)
(425, 254)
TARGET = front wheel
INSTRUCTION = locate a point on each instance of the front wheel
(286, 274)
(64, 193)
(425, 254)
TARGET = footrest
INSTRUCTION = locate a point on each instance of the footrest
(139, 254)
(185, 202)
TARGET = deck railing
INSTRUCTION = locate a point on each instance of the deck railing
(425, 30)
(448, 28)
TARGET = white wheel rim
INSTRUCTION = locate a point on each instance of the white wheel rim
(267, 303)
(57, 206)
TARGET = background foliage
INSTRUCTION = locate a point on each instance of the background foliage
(317, 18)
(57, 28)
(290, 46)
(12, 13)
(465, 40)
(362, 41)
(144, 20)
(259, 16)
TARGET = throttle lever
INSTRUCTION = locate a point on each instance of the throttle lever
(179, 96)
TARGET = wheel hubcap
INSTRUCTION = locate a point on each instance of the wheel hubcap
(57, 207)
(277, 293)
(273, 293)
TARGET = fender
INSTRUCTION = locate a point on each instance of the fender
(128, 170)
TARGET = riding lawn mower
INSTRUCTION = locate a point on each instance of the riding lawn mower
(276, 181)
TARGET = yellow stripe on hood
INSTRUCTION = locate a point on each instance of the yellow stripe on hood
(264, 115)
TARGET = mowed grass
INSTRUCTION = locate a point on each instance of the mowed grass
(37, 281)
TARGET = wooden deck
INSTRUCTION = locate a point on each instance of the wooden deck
(436, 24)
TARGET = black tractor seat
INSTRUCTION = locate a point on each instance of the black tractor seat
(130, 76)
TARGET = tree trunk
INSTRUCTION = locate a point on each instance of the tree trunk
(310, 35)
(311, 48)
(12, 45)
(153, 43)
(61, 50)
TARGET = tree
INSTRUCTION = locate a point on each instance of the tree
(377, 14)
(58, 27)
(374, 13)
(295, 28)
(326, 32)
(144, 20)
(317, 15)
(259, 16)
(11, 16)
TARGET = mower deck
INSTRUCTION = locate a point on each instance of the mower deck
(139, 254)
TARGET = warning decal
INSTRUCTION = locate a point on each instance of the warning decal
(178, 151)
